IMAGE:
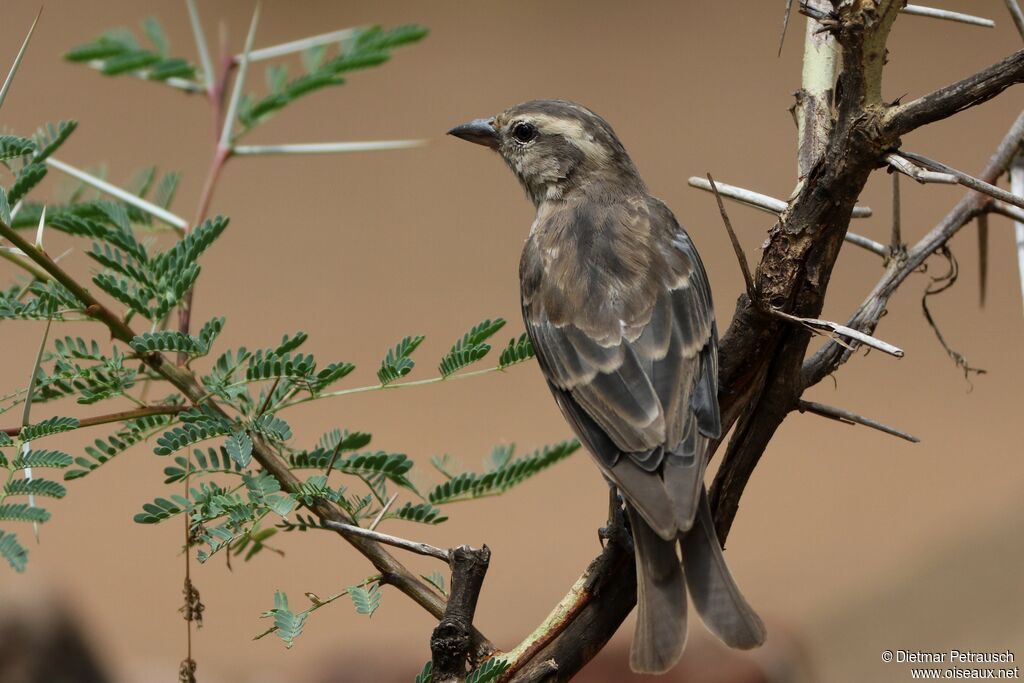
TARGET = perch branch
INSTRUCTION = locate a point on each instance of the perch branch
(392, 571)
(451, 642)
(947, 101)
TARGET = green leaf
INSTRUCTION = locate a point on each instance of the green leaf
(49, 138)
(288, 624)
(239, 447)
(167, 340)
(161, 509)
(212, 461)
(489, 671)
(397, 363)
(49, 426)
(5, 208)
(425, 513)
(133, 61)
(11, 146)
(366, 600)
(164, 193)
(264, 367)
(370, 47)
(518, 351)
(329, 375)
(209, 332)
(12, 551)
(436, 579)
(471, 485)
(177, 438)
(76, 347)
(23, 512)
(55, 459)
(35, 487)
(394, 466)
(103, 450)
(5, 439)
(426, 675)
(26, 179)
(124, 291)
(290, 343)
(156, 35)
(471, 347)
(273, 427)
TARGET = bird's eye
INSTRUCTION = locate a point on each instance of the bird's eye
(524, 132)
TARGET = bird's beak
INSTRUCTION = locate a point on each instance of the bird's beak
(480, 131)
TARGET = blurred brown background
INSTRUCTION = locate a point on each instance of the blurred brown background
(848, 541)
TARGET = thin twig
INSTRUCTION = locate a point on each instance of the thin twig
(921, 11)
(114, 417)
(1017, 15)
(740, 255)
(383, 510)
(896, 239)
(327, 147)
(785, 24)
(1005, 210)
(848, 417)
(394, 541)
(125, 196)
(236, 93)
(300, 45)
(201, 45)
(829, 326)
(937, 286)
(758, 200)
(965, 179)
(1017, 185)
(983, 257)
(17, 59)
(917, 173)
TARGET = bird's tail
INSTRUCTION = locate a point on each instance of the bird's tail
(715, 594)
(661, 593)
(661, 600)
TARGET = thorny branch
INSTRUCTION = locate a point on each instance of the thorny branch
(843, 136)
(846, 131)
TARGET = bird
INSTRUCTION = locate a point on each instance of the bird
(617, 306)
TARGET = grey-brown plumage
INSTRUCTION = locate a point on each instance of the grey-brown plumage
(618, 307)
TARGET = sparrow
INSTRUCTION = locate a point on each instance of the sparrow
(618, 308)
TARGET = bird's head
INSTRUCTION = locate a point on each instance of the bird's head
(556, 148)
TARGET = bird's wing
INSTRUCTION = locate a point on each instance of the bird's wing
(618, 307)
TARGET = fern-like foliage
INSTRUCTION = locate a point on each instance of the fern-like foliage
(35, 487)
(211, 461)
(11, 147)
(397, 362)
(12, 551)
(489, 671)
(365, 599)
(425, 513)
(287, 624)
(48, 427)
(161, 509)
(426, 674)
(471, 347)
(118, 52)
(518, 351)
(368, 47)
(513, 472)
(102, 450)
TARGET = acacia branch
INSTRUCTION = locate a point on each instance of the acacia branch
(947, 101)
(392, 571)
(145, 411)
